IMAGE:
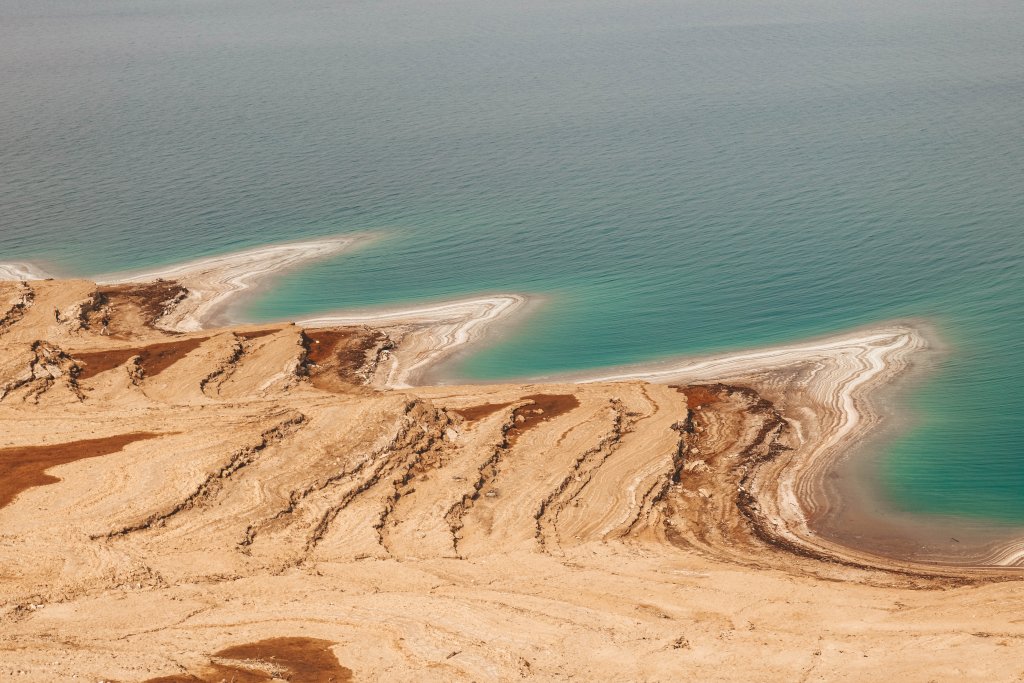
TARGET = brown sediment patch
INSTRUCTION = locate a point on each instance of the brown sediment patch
(735, 518)
(302, 660)
(256, 334)
(123, 307)
(153, 359)
(474, 413)
(542, 407)
(24, 467)
(700, 395)
(348, 354)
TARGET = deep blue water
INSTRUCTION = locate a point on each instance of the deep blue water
(672, 177)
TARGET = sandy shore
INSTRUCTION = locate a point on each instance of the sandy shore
(22, 271)
(214, 283)
(823, 386)
(226, 501)
(429, 333)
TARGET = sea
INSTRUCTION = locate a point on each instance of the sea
(668, 177)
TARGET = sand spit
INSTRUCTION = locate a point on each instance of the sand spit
(429, 333)
(872, 347)
(289, 515)
(823, 387)
(21, 271)
(214, 281)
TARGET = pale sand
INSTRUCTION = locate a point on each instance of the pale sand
(429, 333)
(630, 532)
(828, 416)
(22, 271)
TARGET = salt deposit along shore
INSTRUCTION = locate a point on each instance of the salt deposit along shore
(292, 500)
(214, 282)
(429, 333)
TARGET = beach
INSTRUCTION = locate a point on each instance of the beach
(213, 496)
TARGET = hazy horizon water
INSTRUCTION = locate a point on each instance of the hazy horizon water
(673, 177)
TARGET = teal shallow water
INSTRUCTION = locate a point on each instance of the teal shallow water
(674, 177)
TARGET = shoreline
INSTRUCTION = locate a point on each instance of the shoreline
(430, 333)
(834, 410)
(216, 283)
(824, 386)
(22, 270)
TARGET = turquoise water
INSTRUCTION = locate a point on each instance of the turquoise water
(673, 177)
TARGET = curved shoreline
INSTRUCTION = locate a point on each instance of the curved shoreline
(823, 387)
(20, 270)
(215, 282)
(429, 333)
(275, 494)
(826, 391)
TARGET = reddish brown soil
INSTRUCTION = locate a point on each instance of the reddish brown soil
(339, 354)
(22, 468)
(153, 359)
(699, 395)
(474, 413)
(542, 407)
(143, 302)
(302, 660)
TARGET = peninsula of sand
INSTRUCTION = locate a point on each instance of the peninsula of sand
(184, 497)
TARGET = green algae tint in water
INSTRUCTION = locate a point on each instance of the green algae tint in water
(673, 177)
